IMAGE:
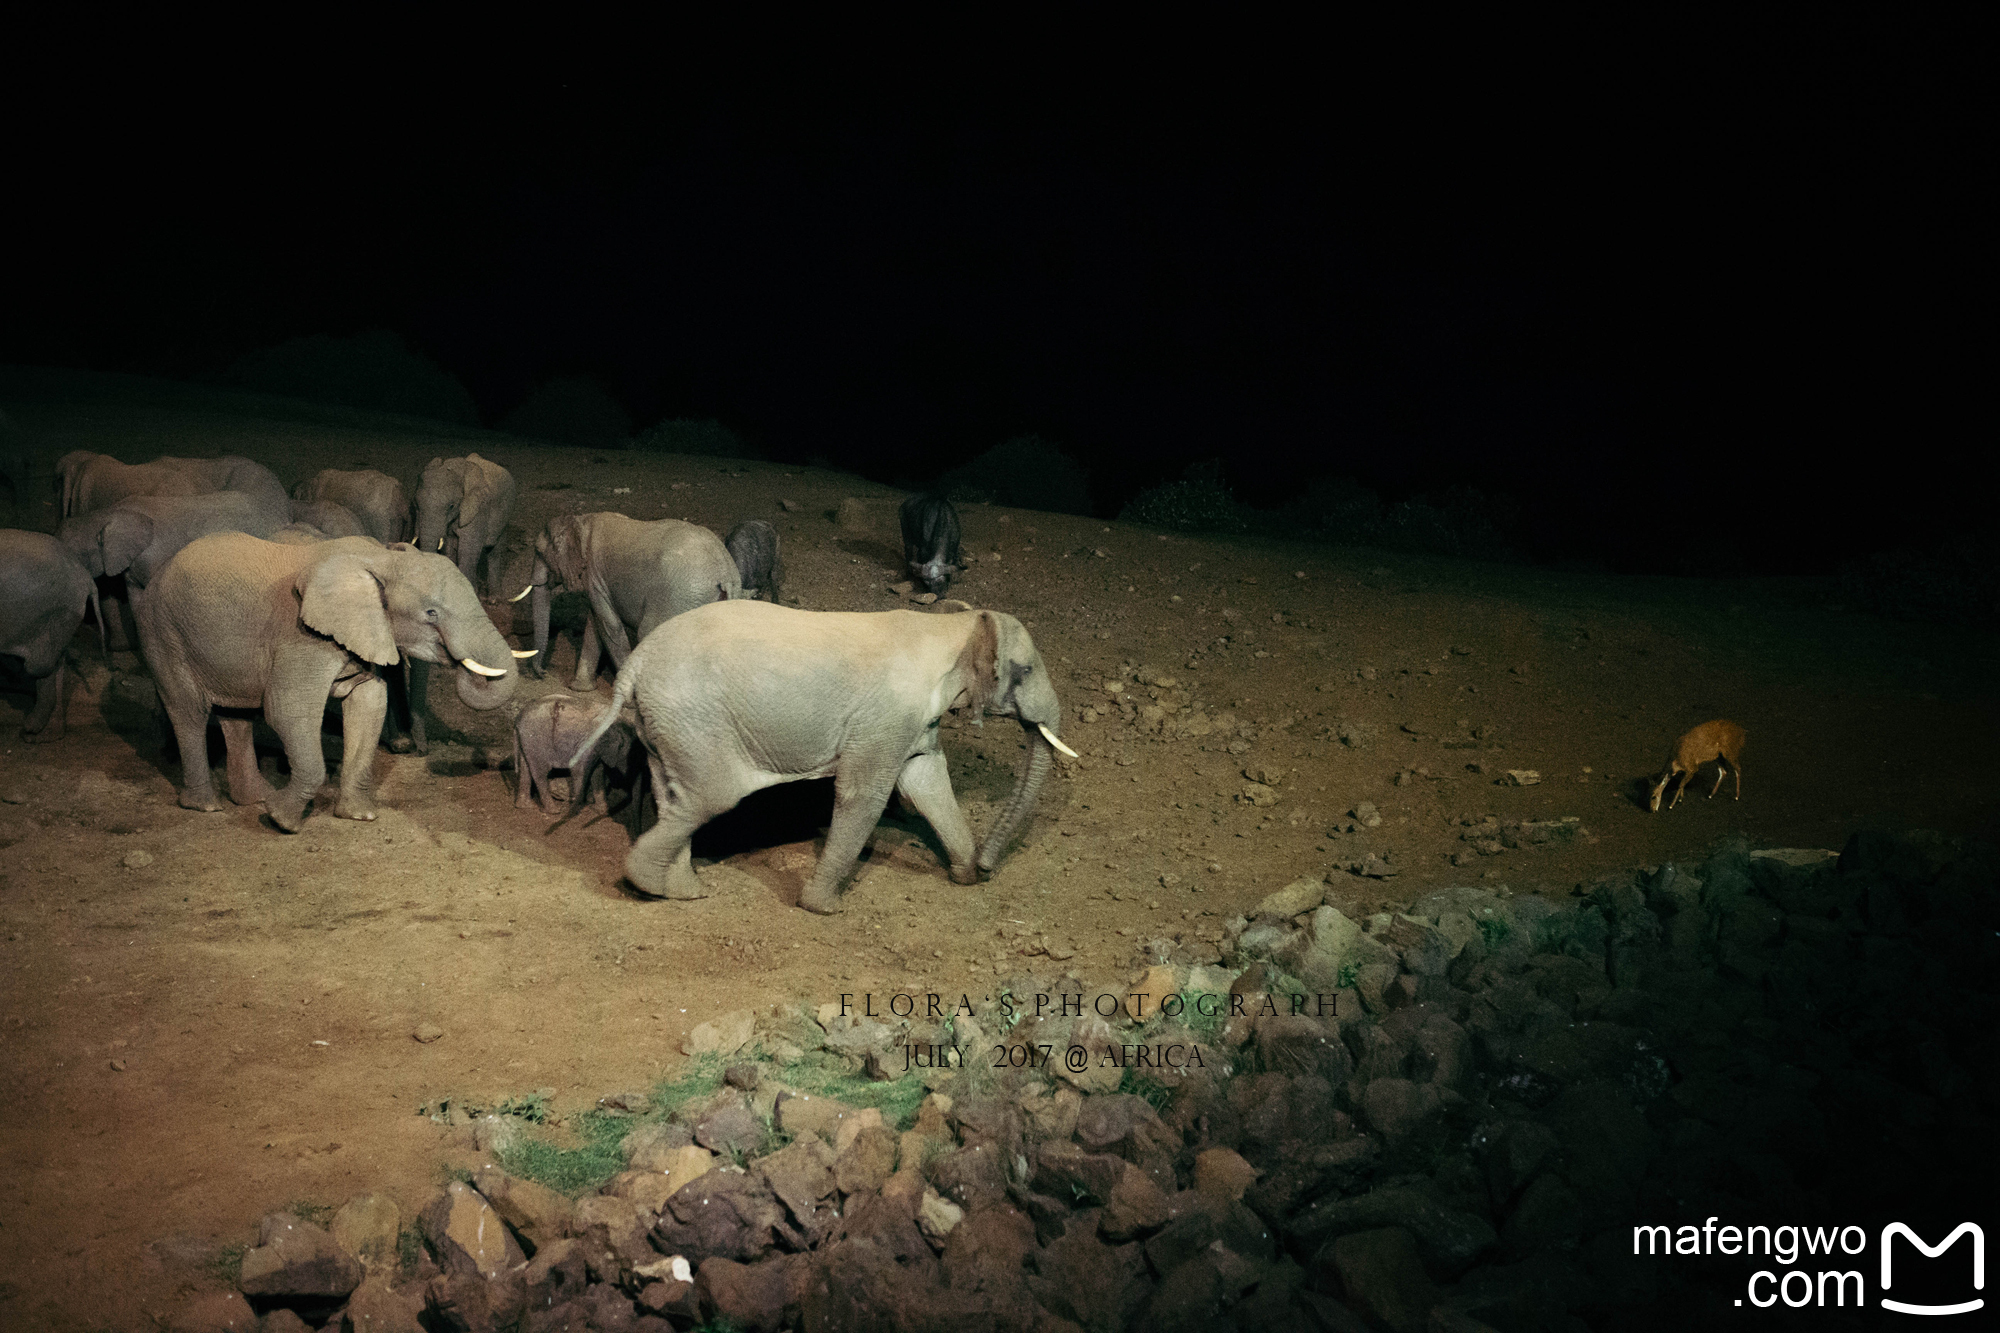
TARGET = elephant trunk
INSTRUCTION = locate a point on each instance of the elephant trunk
(1041, 757)
(478, 650)
(540, 607)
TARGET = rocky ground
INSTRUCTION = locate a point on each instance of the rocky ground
(207, 1021)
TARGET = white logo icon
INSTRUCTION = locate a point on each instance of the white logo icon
(1895, 1229)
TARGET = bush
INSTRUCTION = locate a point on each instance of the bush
(376, 370)
(1199, 502)
(703, 439)
(574, 409)
(1955, 584)
(1462, 521)
(1027, 472)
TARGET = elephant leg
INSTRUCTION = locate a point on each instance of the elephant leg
(298, 728)
(416, 677)
(191, 735)
(361, 714)
(585, 679)
(611, 631)
(45, 719)
(659, 863)
(926, 785)
(246, 784)
(857, 808)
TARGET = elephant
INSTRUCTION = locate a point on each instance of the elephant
(548, 731)
(376, 500)
(43, 592)
(463, 504)
(96, 481)
(930, 541)
(753, 545)
(740, 695)
(138, 535)
(635, 574)
(234, 621)
(334, 520)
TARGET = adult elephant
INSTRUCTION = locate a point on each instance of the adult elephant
(636, 575)
(97, 481)
(375, 499)
(737, 696)
(462, 506)
(237, 622)
(43, 592)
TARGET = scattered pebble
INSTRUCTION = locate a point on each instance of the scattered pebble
(427, 1032)
(137, 860)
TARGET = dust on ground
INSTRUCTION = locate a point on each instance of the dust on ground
(205, 1019)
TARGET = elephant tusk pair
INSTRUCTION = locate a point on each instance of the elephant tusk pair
(522, 652)
(1050, 737)
(523, 593)
(483, 670)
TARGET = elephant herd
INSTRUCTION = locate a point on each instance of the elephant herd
(243, 597)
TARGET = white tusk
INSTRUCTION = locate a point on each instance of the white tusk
(1050, 737)
(440, 543)
(523, 593)
(471, 665)
(523, 652)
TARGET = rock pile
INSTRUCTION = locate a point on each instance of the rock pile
(1444, 1119)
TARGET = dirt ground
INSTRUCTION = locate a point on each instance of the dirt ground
(191, 1040)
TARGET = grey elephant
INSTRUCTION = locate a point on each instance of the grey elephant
(737, 696)
(237, 622)
(334, 520)
(462, 506)
(96, 481)
(375, 499)
(546, 735)
(636, 575)
(43, 593)
(753, 545)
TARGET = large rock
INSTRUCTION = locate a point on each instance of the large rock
(1082, 1279)
(1514, 1153)
(650, 1147)
(558, 1273)
(985, 1262)
(607, 1223)
(727, 1212)
(799, 1115)
(1222, 1175)
(876, 1272)
(1380, 1272)
(1396, 1108)
(376, 1307)
(867, 1161)
(762, 1297)
(937, 1218)
(296, 1260)
(731, 1127)
(1065, 1171)
(467, 1235)
(801, 1177)
(1301, 895)
(464, 1302)
(1135, 1205)
(215, 1312)
(721, 1036)
(1448, 1239)
(537, 1213)
(366, 1226)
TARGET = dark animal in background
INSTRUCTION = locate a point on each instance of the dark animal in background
(546, 737)
(43, 592)
(753, 544)
(930, 541)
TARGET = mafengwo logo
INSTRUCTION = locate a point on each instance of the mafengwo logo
(1895, 1229)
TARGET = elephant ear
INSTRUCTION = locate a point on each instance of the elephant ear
(978, 663)
(477, 484)
(344, 599)
(126, 533)
(561, 547)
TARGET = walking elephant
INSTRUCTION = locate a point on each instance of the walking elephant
(548, 731)
(462, 506)
(43, 592)
(636, 575)
(96, 481)
(737, 696)
(375, 499)
(237, 622)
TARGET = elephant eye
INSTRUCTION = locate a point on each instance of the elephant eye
(431, 614)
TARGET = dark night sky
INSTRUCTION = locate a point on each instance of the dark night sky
(1738, 301)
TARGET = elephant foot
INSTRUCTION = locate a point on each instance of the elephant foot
(202, 801)
(582, 685)
(965, 874)
(679, 882)
(402, 745)
(287, 815)
(353, 808)
(826, 902)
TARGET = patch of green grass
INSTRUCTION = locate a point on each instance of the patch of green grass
(1156, 1093)
(897, 1100)
(409, 1249)
(319, 1214)
(1493, 932)
(448, 1173)
(701, 1078)
(1348, 972)
(571, 1170)
(228, 1263)
(533, 1108)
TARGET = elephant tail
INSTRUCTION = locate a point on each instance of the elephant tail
(97, 610)
(621, 696)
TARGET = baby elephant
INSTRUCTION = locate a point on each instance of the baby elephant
(753, 545)
(930, 541)
(546, 737)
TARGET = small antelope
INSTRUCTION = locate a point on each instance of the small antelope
(1720, 741)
